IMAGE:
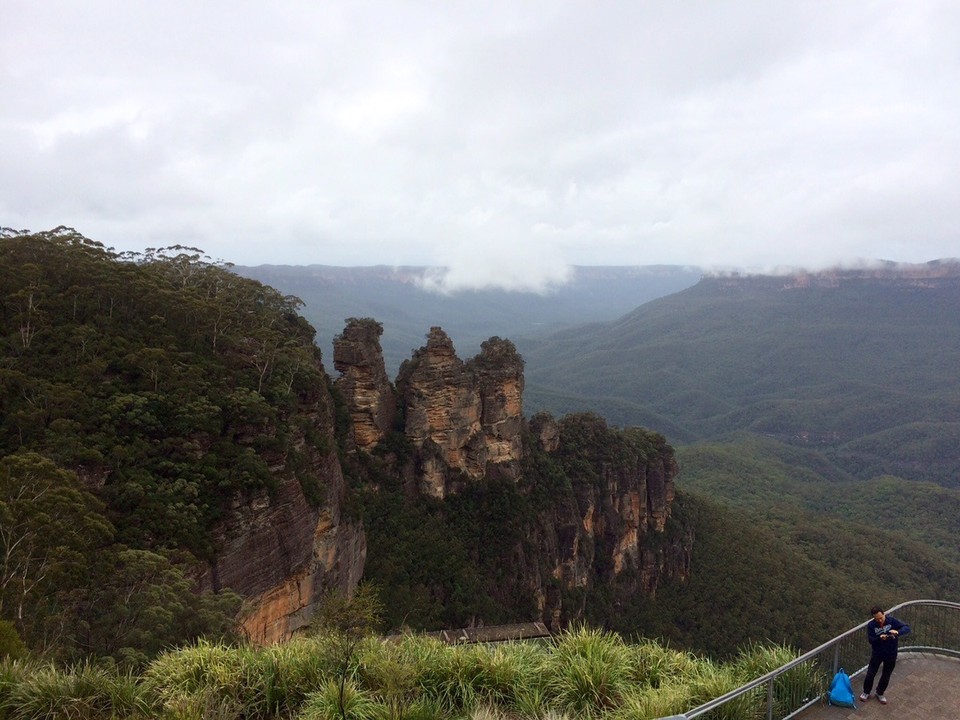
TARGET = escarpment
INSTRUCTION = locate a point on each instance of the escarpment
(611, 530)
(281, 549)
(594, 502)
(608, 526)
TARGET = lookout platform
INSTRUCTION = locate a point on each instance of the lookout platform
(923, 687)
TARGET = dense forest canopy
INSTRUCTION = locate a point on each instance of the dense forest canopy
(140, 390)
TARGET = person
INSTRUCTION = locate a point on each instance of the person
(884, 633)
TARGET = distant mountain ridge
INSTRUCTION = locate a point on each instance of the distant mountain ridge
(401, 299)
(936, 273)
(862, 362)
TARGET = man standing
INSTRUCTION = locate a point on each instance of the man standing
(883, 632)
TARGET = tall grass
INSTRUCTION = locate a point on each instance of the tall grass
(792, 688)
(582, 673)
(588, 671)
(336, 701)
(81, 692)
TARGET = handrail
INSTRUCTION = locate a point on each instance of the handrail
(935, 628)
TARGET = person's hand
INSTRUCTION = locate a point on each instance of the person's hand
(894, 632)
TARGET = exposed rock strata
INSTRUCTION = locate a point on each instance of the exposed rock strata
(613, 531)
(282, 553)
(607, 527)
(464, 419)
(363, 381)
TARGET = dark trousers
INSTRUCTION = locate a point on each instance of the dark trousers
(875, 662)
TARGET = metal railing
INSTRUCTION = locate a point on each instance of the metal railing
(789, 690)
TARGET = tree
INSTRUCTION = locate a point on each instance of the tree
(138, 603)
(346, 621)
(11, 646)
(48, 525)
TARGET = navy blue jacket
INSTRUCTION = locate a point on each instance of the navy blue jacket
(885, 647)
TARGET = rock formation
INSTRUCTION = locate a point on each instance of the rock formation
(363, 381)
(464, 422)
(464, 419)
(606, 527)
(499, 371)
(612, 532)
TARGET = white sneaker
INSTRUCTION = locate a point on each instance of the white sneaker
(882, 699)
(864, 697)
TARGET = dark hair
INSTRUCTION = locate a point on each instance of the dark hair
(875, 609)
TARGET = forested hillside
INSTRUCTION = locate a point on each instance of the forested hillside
(145, 398)
(126, 386)
(826, 412)
(156, 409)
(862, 368)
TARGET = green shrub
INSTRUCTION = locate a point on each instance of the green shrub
(653, 664)
(711, 681)
(588, 671)
(11, 646)
(648, 703)
(212, 671)
(84, 692)
(341, 701)
(292, 670)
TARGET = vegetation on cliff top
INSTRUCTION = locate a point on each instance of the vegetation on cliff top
(136, 394)
(475, 557)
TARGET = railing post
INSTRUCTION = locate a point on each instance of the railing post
(770, 699)
(836, 658)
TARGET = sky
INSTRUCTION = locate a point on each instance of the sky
(503, 141)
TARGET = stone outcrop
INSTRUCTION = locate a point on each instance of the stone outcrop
(464, 423)
(442, 413)
(606, 526)
(463, 419)
(499, 371)
(612, 532)
(363, 381)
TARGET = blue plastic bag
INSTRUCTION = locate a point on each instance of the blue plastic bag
(841, 691)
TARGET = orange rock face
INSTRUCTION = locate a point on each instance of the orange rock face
(363, 381)
(280, 551)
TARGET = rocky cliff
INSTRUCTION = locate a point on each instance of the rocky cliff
(464, 423)
(463, 419)
(612, 530)
(606, 527)
(363, 381)
(281, 551)
(934, 274)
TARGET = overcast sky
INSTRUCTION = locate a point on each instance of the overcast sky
(505, 140)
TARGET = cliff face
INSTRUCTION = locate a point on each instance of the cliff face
(463, 419)
(607, 526)
(612, 531)
(363, 381)
(464, 422)
(935, 274)
(282, 552)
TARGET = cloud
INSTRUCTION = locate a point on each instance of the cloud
(502, 142)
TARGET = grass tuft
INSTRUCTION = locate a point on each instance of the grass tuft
(83, 692)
